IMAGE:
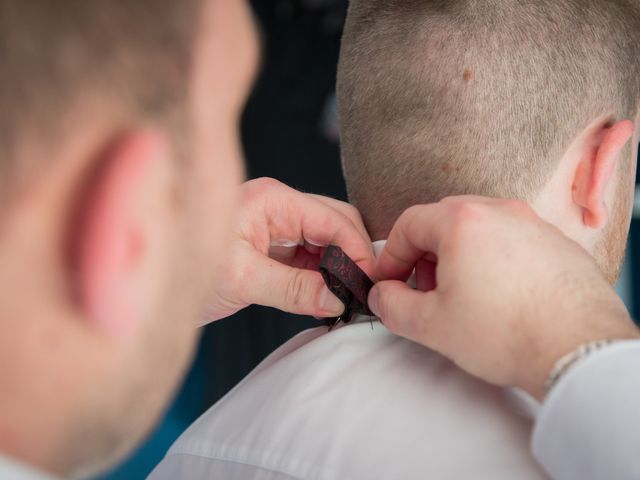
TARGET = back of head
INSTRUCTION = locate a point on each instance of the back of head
(448, 97)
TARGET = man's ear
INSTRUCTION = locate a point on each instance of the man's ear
(596, 168)
(114, 231)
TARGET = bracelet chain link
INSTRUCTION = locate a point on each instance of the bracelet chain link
(563, 365)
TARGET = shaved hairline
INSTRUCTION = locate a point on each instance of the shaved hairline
(460, 97)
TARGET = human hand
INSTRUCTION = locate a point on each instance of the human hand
(276, 249)
(500, 292)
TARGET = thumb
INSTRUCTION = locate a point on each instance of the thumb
(403, 310)
(290, 289)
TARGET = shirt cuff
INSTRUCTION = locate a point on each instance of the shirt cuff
(589, 425)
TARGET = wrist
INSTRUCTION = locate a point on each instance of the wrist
(560, 355)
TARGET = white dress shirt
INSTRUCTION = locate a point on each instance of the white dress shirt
(360, 403)
(355, 403)
(589, 426)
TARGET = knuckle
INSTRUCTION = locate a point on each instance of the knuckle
(465, 222)
(410, 214)
(457, 199)
(256, 188)
(521, 208)
(449, 200)
(352, 212)
(235, 277)
(296, 290)
(384, 311)
(387, 305)
(413, 210)
(466, 211)
(266, 182)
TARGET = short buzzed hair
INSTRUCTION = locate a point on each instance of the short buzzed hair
(134, 54)
(448, 97)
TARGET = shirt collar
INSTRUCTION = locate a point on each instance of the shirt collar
(378, 246)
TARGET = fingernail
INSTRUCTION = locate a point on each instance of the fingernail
(373, 300)
(284, 243)
(314, 243)
(330, 304)
(311, 248)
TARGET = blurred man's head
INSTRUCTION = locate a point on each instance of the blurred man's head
(504, 98)
(119, 156)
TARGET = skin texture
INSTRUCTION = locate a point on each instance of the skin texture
(288, 279)
(96, 332)
(546, 295)
(111, 259)
(590, 195)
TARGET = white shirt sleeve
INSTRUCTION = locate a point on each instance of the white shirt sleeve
(589, 426)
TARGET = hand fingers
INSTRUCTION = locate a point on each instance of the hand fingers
(347, 210)
(418, 231)
(406, 312)
(301, 256)
(433, 229)
(349, 234)
(290, 289)
(291, 215)
(426, 279)
(308, 255)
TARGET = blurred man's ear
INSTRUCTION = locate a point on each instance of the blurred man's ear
(120, 232)
(596, 169)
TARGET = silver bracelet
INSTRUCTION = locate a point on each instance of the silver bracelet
(563, 365)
